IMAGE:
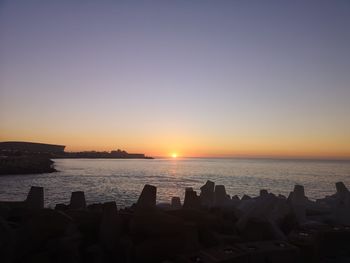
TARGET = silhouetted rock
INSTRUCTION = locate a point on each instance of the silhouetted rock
(42, 226)
(25, 165)
(176, 203)
(246, 197)
(61, 207)
(7, 242)
(77, 200)
(197, 231)
(298, 200)
(35, 198)
(157, 249)
(270, 251)
(110, 228)
(221, 197)
(224, 253)
(191, 201)
(147, 199)
(207, 194)
(263, 193)
(341, 188)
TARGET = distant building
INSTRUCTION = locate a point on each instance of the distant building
(31, 147)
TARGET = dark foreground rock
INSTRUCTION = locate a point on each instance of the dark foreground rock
(210, 227)
(25, 165)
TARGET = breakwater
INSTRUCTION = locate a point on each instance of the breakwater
(209, 226)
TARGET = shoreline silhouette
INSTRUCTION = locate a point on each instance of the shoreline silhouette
(35, 158)
(209, 227)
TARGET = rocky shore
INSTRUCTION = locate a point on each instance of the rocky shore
(25, 164)
(208, 227)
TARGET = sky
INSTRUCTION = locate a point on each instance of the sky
(196, 78)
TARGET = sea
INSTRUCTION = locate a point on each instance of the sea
(122, 180)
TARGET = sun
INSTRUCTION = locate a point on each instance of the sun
(174, 155)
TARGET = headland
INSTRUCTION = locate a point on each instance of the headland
(30, 158)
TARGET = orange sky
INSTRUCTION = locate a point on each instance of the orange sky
(225, 78)
(193, 145)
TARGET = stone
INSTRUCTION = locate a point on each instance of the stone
(220, 195)
(176, 202)
(235, 197)
(148, 198)
(341, 188)
(77, 200)
(157, 224)
(282, 197)
(39, 229)
(194, 257)
(207, 194)
(226, 253)
(246, 197)
(341, 211)
(87, 222)
(164, 206)
(157, 249)
(274, 251)
(7, 242)
(307, 242)
(191, 201)
(298, 194)
(263, 193)
(61, 207)
(35, 198)
(333, 241)
(298, 200)
(342, 192)
(110, 226)
(259, 229)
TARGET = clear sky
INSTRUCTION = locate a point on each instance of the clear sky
(199, 78)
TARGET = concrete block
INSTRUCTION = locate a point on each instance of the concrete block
(148, 197)
(35, 198)
(176, 202)
(220, 195)
(219, 254)
(270, 251)
(207, 194)
(263, 193)
(77, 200)
(191, 201)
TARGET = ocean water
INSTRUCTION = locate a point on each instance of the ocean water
(122, 180)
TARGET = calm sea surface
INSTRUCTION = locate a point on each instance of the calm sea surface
(122, 180)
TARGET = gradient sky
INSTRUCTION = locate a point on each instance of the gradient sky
(200, 78)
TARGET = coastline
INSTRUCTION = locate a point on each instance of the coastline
(209, 227)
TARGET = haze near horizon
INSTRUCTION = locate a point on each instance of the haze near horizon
(198, 78)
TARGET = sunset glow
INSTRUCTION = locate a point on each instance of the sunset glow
(216, 79)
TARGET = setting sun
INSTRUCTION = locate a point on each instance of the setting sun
(174, 155)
